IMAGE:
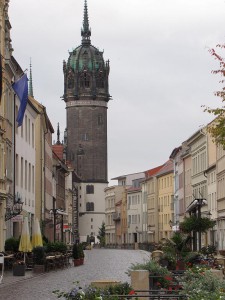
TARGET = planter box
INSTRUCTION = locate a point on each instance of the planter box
(78, 262)
(104, 283)
(222, 252)
(38, 269)
(19, 270)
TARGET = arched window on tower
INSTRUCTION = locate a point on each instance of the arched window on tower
(100, 81)
(100, 119)
(85, 80)
(70, 83)
(70, 78)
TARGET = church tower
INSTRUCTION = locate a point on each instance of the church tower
(86, 94)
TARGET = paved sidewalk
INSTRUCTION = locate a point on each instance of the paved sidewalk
(8, 277)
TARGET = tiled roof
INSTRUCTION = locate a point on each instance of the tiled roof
(167, 168)
(153, 171)
(175, 151)
(58, 150)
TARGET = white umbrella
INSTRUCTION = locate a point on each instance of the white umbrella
(36, 235)
(25, 244)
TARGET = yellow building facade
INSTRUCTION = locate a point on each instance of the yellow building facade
(165, 185)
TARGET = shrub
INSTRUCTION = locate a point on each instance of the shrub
(162, 274)
(39, 255)
(12, 244)
(56, 247)
(92, 293)
(75, 252)
(200, 283)
(80, 251)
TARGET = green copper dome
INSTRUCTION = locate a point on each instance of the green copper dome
(86, 72)
(86, 57)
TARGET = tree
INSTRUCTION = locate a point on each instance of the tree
(217, 127)
(194, 223)
(101, 235)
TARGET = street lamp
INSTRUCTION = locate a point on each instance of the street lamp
(14, 210)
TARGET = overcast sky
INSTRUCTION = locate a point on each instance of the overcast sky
(160, 67)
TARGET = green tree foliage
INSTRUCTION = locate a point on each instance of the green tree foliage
(12, 244)
(101, 234)
(193, 223)
(217, 127)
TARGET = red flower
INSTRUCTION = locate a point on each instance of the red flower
(132, 292)
(168, 278)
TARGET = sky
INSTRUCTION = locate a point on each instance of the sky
(160, 67)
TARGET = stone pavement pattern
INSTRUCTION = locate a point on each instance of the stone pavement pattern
(99, 264)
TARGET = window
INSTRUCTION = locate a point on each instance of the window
(84, 137)
(29, 177)
(21, 172)
(85, 80)
(32, 135)
(16, 115)
(89, 189)
(25, 174)
(100, 81)
(26, 128)
(90, 206)
(32, 179)
(100, 119)
(17, 169)
(29, 131)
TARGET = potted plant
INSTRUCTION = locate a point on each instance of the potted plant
(39, 257)
(81, 253)
(19, 268)
(78, 254)
(75, 254)
(175, 249)
(159, 277)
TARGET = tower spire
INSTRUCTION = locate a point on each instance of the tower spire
(85, 31)
(58, 135)
(31, 82)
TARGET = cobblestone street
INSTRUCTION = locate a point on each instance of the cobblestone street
(99, 264)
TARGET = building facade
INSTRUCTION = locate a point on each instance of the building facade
(6, 121)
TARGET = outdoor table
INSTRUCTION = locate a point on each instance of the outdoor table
(50, 262)
(50, 257)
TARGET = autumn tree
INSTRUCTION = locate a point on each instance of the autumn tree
(217, 127)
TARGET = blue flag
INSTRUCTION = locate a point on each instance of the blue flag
(20, 87)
